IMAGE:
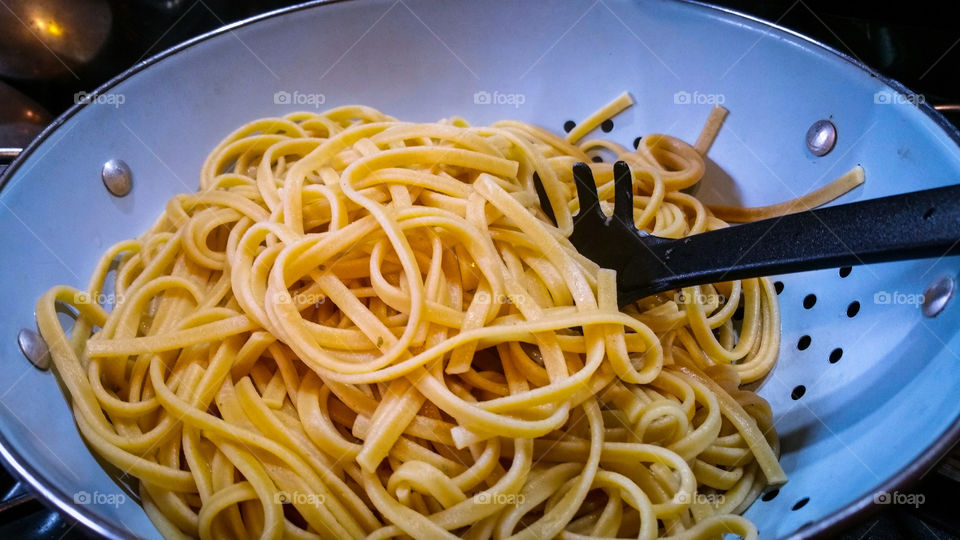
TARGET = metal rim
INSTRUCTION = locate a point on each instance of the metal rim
(50, 495)
(952, 131)
(830, 525)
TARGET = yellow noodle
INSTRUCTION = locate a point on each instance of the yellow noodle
(710, 130)
(367, 327)
(844, 183)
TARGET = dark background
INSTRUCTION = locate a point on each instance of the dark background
(915, 43)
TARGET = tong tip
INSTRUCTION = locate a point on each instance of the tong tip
(544, 200)
(623, 193)
(586, 192)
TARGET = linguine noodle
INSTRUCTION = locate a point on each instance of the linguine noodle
(366, 327)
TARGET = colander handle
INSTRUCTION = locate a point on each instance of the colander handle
(917, 225)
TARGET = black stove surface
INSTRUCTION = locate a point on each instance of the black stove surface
(915, 44)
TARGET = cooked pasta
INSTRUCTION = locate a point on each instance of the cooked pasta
(363, 327)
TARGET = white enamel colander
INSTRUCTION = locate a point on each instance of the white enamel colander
(865, 393)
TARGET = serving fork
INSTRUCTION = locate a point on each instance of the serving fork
(914, 225)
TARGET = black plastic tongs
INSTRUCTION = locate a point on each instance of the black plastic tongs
(913, 225)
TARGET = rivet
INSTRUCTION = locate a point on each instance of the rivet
(821, 137)
(937, 295)
(34, 348)
(117, 177)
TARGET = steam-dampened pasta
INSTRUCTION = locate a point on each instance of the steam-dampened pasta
(360, 326)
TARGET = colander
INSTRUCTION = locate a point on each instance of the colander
(865, 390)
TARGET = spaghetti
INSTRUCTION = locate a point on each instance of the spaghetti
(361, 327)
